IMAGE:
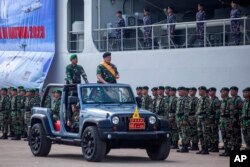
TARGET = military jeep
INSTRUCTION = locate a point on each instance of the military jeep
(108, 118)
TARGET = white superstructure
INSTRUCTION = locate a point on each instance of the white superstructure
(216, 65)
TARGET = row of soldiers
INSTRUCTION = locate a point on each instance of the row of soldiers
(15, 111)
(197, 120)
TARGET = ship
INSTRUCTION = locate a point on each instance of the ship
(87, 28)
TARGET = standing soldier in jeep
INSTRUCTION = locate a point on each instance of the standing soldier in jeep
(106, 71)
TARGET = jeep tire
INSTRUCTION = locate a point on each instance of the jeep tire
(159, 152)
(40, 145)
(93, 148)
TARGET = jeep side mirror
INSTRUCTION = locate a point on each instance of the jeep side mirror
(73, 100)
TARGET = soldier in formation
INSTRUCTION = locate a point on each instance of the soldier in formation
(193, 119)
(214, 119)
(146, 99)
(245, 117)
(154, 100)
(171, 111)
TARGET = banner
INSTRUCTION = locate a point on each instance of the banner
(27, 42)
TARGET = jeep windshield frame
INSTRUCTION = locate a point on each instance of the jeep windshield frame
(106, 94)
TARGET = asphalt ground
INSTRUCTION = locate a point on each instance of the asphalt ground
(18, 154)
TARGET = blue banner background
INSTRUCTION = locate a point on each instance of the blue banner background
(27, 67)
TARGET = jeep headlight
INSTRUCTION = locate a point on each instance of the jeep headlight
(152, 120)
(115, 120)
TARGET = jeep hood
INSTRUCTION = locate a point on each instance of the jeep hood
(115, 110)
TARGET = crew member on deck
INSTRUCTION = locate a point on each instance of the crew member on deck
(119, 31)
(235, 24)
(106, 71)
(200, 16)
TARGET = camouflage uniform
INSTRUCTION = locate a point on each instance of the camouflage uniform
(105, 74)
(47, 102)
(5, 109)
(203, 126)
(119, 32)
(171, 110)
(235, 25)
(1, 114)
(30, 102)
(74, 73)
(138, 101)
(146, 103)
(22, 101)
(226, 119)
(154, 102)
(193, 121)
(214, 120)
(147, 32)
(237, 140)
(56, 110)
(245, 121)
(200, 16)
(161, 106)
(182, 119)
(16, 115)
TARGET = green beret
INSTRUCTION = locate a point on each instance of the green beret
(30, 90)
(4, 89)
(224, 89)
(167, 87)
(154, 89)
(234, 88)
(106, 54)
(14, 89)
(173, 89)
(23, 90)
(145, 87)
(202, 88)
(181, 88)
(37, 90)
(20, 87)
(193, 89)
(212, 89)
(74, 56)
(161, 88)
(246, 89)
(58, 91)
(138, 88)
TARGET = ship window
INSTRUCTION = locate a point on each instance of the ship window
(75, 26)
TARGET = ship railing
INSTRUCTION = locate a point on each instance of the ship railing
(216, 33)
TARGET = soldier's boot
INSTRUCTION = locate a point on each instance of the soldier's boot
(195, 147)
(24, 135)
(4, 136)
(17, 137)
(205, 151)
(202, 149)
(184, 149)
(12, 134)
(175, 145)
(226, 152)
(237, 148)
(215, 148)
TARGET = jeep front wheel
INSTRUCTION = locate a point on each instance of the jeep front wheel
(160, 152)
(40, 145)
(93, 148)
